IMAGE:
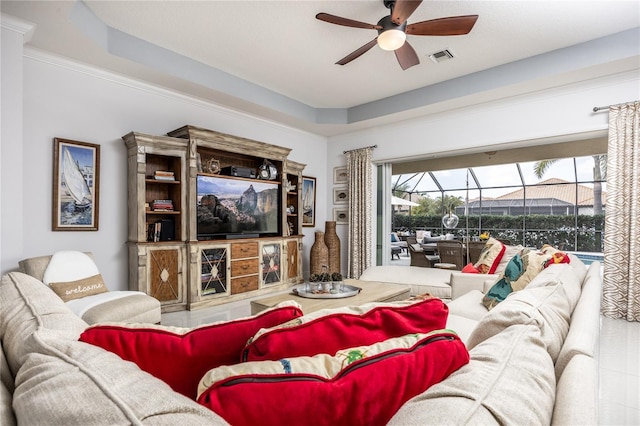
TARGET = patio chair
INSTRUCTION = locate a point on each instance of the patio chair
(451, 254)
(475, 248)
(396, 242)
(418, 258)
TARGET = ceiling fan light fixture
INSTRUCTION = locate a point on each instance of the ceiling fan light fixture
(391, 39)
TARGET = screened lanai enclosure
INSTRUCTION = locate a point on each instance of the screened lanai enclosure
(559, 201)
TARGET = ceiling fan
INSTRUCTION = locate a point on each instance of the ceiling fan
(393, 30)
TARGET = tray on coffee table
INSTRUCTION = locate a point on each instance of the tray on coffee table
(345, 290)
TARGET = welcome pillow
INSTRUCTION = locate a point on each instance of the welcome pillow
(180, 356)
(73, 275)
(362, 385)
(330, 330)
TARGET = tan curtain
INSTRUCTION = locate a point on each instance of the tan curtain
(360, 174)
(621, 287)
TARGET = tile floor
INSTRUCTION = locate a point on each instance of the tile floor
(619, 358)
(619, 372)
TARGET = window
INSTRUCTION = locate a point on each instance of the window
(563, 207)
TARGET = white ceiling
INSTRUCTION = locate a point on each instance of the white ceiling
(274, 59)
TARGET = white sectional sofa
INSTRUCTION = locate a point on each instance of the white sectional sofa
(534, 357)
(533, 360)
(442, 283)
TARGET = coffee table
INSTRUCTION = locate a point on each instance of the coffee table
(372, 291)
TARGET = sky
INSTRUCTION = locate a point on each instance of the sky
(503, 178)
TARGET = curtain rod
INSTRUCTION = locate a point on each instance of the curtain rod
(349, 150)
(602, 108)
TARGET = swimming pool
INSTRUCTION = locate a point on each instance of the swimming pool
(589, 257)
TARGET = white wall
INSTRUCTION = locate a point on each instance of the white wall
(14, 34)
(561, 114)
(67, 100)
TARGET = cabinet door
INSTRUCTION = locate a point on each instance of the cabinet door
(214, 270)
(164, 274)
(271, 263)
(293, 265)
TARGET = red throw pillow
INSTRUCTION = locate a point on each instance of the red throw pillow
(330, 330)
(358, 386)
(180, 356)
(470, 269)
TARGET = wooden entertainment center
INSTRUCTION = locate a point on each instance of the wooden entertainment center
(239, 236)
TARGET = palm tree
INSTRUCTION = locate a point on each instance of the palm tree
(599, 174)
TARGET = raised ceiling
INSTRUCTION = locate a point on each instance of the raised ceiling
(275, 60)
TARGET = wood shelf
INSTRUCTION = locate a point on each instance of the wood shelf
(185, 152)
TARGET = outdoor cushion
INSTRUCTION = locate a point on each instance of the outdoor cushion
(329, 330)
(180, 356)
(362, 385)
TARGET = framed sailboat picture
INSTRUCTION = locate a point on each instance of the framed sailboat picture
(76, 183)
(308, 201)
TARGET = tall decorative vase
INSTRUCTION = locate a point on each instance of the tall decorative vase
(319, 255)
(333, 245)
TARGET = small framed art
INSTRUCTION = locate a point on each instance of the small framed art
(76, 183)
(341, 215)
(340, 175)
(308, 201)
(340, 195)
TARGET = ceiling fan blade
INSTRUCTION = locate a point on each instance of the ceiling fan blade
(357, 53)
(403, 9)
(332, 19)
(407, 56)
(454, 25)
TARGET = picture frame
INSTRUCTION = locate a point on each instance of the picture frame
(340, 175)
(76, 185)
(341, 215)
(340, 195)
(308, 201)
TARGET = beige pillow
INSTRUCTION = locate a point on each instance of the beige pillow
(509, 252)
(66, 382)
(548, 308)
(77, 289)
(509, 380)
(28, 305)
(534, 263)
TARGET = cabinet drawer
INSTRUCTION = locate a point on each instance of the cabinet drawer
(244, 250)
(240, 285)
(244, 267)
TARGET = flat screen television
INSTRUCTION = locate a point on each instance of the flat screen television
(229, 207)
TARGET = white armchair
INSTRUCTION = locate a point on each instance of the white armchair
(73, 275)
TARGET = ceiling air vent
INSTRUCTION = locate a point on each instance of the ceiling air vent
(443, 55)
